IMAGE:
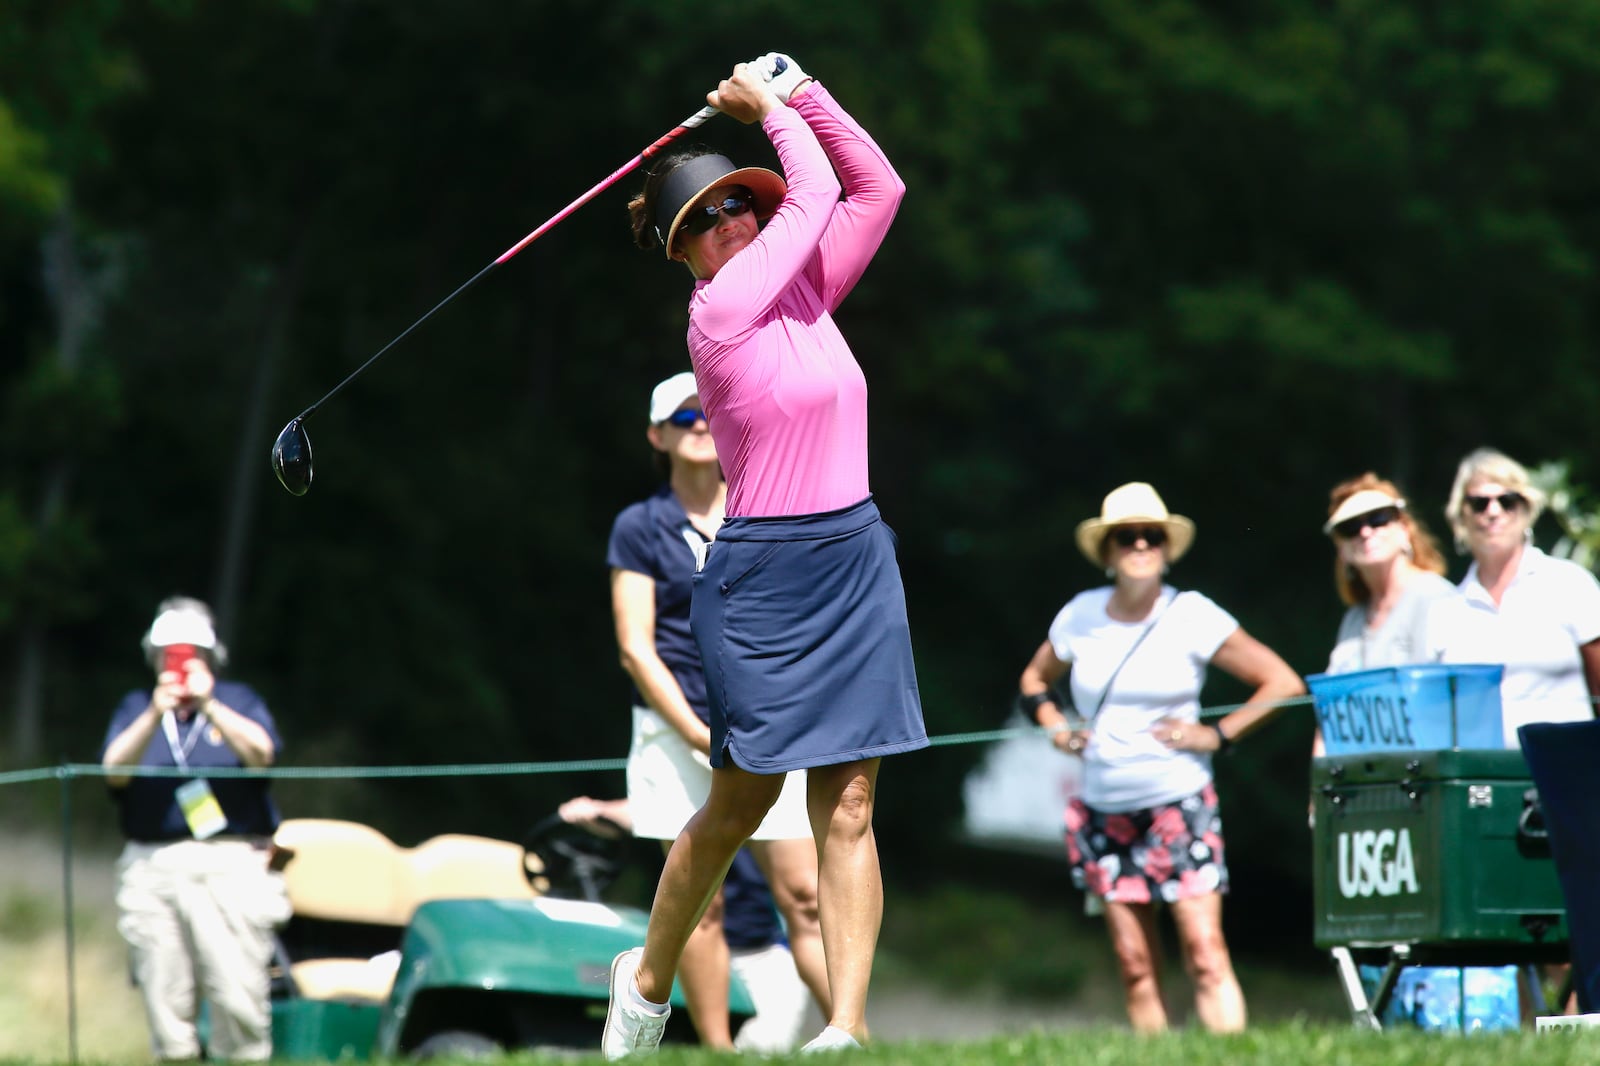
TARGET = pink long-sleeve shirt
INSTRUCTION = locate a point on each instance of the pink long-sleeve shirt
(785, 398)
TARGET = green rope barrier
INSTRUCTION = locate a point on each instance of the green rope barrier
(75, 770)
(342, 772)
(22, 777)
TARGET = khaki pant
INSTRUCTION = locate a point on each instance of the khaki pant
(198, 917)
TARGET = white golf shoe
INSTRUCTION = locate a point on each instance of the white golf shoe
(831, 1039)
(631, 1029)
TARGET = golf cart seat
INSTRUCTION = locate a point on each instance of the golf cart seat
(346, 980)
(344, 871)
(353, 891)
(456, 866)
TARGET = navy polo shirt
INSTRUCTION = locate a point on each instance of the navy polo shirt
(654, 537)
(148, 806)
(748, 918)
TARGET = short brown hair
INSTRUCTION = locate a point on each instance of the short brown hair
(642, 208)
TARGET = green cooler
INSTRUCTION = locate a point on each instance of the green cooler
(1431, 857)
(1431, 848)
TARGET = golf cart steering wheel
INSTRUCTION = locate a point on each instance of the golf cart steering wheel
(578, 863)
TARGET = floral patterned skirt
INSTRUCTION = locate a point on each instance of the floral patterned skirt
(1169, 853)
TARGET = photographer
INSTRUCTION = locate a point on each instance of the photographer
(196, 901)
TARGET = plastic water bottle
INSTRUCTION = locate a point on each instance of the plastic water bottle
(1490, 999)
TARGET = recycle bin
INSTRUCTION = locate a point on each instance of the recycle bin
(1426, 707)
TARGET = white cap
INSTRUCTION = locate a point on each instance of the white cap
(181, 620)
(669, 394)
(1359, 503)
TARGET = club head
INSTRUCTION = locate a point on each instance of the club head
(291, 457)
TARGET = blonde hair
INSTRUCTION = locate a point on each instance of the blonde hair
(1488, 464)
(1425, 553)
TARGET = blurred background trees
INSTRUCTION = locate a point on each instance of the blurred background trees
(1242, 251)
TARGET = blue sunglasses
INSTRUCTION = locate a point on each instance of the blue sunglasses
(704, 217)
(684, 419)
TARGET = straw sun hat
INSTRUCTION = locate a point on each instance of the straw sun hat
(1134, 504)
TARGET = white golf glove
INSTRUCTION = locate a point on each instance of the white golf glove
(782, 82)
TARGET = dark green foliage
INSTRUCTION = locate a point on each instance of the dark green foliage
(1242, 251)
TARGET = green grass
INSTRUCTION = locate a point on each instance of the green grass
(1036, 968)
(1264, 1046)
(1290, 1045)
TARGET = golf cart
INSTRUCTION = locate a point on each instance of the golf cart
(461, 945)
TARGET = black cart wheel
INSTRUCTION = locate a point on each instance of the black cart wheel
(457, 1044)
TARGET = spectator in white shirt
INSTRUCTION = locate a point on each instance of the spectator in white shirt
(1538, 615)
(1147, 827)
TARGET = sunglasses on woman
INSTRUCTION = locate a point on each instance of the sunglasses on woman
(1351, 528)
(703, 218)
(684, 419)
(1128, 536)
(1508, 501)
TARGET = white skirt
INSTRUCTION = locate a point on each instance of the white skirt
(668, 781)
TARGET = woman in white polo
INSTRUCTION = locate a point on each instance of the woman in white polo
(1538, 615)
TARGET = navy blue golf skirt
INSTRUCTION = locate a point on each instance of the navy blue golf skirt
(801, 624)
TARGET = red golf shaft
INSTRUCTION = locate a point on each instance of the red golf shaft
(626, 168)
(688, 124)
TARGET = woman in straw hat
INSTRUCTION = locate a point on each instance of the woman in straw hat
(798, 612)
(1145, 827)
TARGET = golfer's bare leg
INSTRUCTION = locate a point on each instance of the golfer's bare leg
(703, 973)
(694, 869)
(849, 884)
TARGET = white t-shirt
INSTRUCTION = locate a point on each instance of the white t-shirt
(1550, 610)
(1402, 638)
(1126, 767)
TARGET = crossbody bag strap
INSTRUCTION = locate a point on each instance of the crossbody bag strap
(1105, 692)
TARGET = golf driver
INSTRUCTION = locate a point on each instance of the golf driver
(291, 452)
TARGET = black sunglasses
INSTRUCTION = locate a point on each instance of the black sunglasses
(1128, 536)
(1508, 501)
(684, 419)
(703, 218)
(1350, 528)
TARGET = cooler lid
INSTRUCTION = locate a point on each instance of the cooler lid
(1446, 764)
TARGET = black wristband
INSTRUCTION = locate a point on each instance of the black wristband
(1030, 704)
(1223, 743)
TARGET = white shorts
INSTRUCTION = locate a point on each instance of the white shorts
(668, 781)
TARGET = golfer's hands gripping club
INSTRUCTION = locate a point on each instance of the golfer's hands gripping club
(745, 95)
(783, 74)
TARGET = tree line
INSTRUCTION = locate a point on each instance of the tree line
(1241, 252)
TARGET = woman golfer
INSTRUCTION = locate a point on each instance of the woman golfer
(798, 612)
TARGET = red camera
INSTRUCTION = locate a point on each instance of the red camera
(175, 657)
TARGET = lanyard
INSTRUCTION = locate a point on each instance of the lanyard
(180, 750)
